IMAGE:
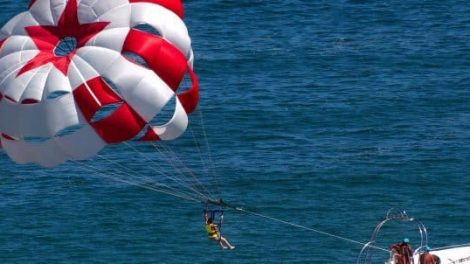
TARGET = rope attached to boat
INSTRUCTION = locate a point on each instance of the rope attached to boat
(305, 228)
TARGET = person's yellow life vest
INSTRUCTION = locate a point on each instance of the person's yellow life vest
(211, 230)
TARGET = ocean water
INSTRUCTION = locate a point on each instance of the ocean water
(321, 113)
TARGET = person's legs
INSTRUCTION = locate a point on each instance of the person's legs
(222, 244)
(226, 243)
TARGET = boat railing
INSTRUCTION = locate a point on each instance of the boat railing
(396, 215)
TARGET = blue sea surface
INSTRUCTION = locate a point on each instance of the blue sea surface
(321, 113)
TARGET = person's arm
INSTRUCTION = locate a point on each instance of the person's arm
(216, 227)
(206, 218)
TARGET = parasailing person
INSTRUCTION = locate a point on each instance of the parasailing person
(213, 229)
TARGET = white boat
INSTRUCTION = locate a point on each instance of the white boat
(449, 255)
(457, 254)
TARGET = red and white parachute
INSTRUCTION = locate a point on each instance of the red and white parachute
(62, 61)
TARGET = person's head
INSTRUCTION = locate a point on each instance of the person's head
(406, 240)
(426, 248)
(210, 220)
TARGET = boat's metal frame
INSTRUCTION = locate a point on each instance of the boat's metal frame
(395, 215)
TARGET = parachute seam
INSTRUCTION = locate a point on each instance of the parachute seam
(144, 69)
(25, 39)
(15, 68)
(26, 84)
(68, 90)
(99, 17)
(52, 15)
(160, 29)
(49, 69)
(14, 26)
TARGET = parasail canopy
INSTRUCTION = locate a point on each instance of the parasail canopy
(77, 75)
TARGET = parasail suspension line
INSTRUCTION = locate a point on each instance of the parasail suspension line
(124, 170)
(172, 161)
(169, 190)
(210, 168)
(179, 181)
(137, 184)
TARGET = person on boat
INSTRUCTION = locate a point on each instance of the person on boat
(395, 254)
(406, 252)
(402, 253)
(213, 232)
(426, 257)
